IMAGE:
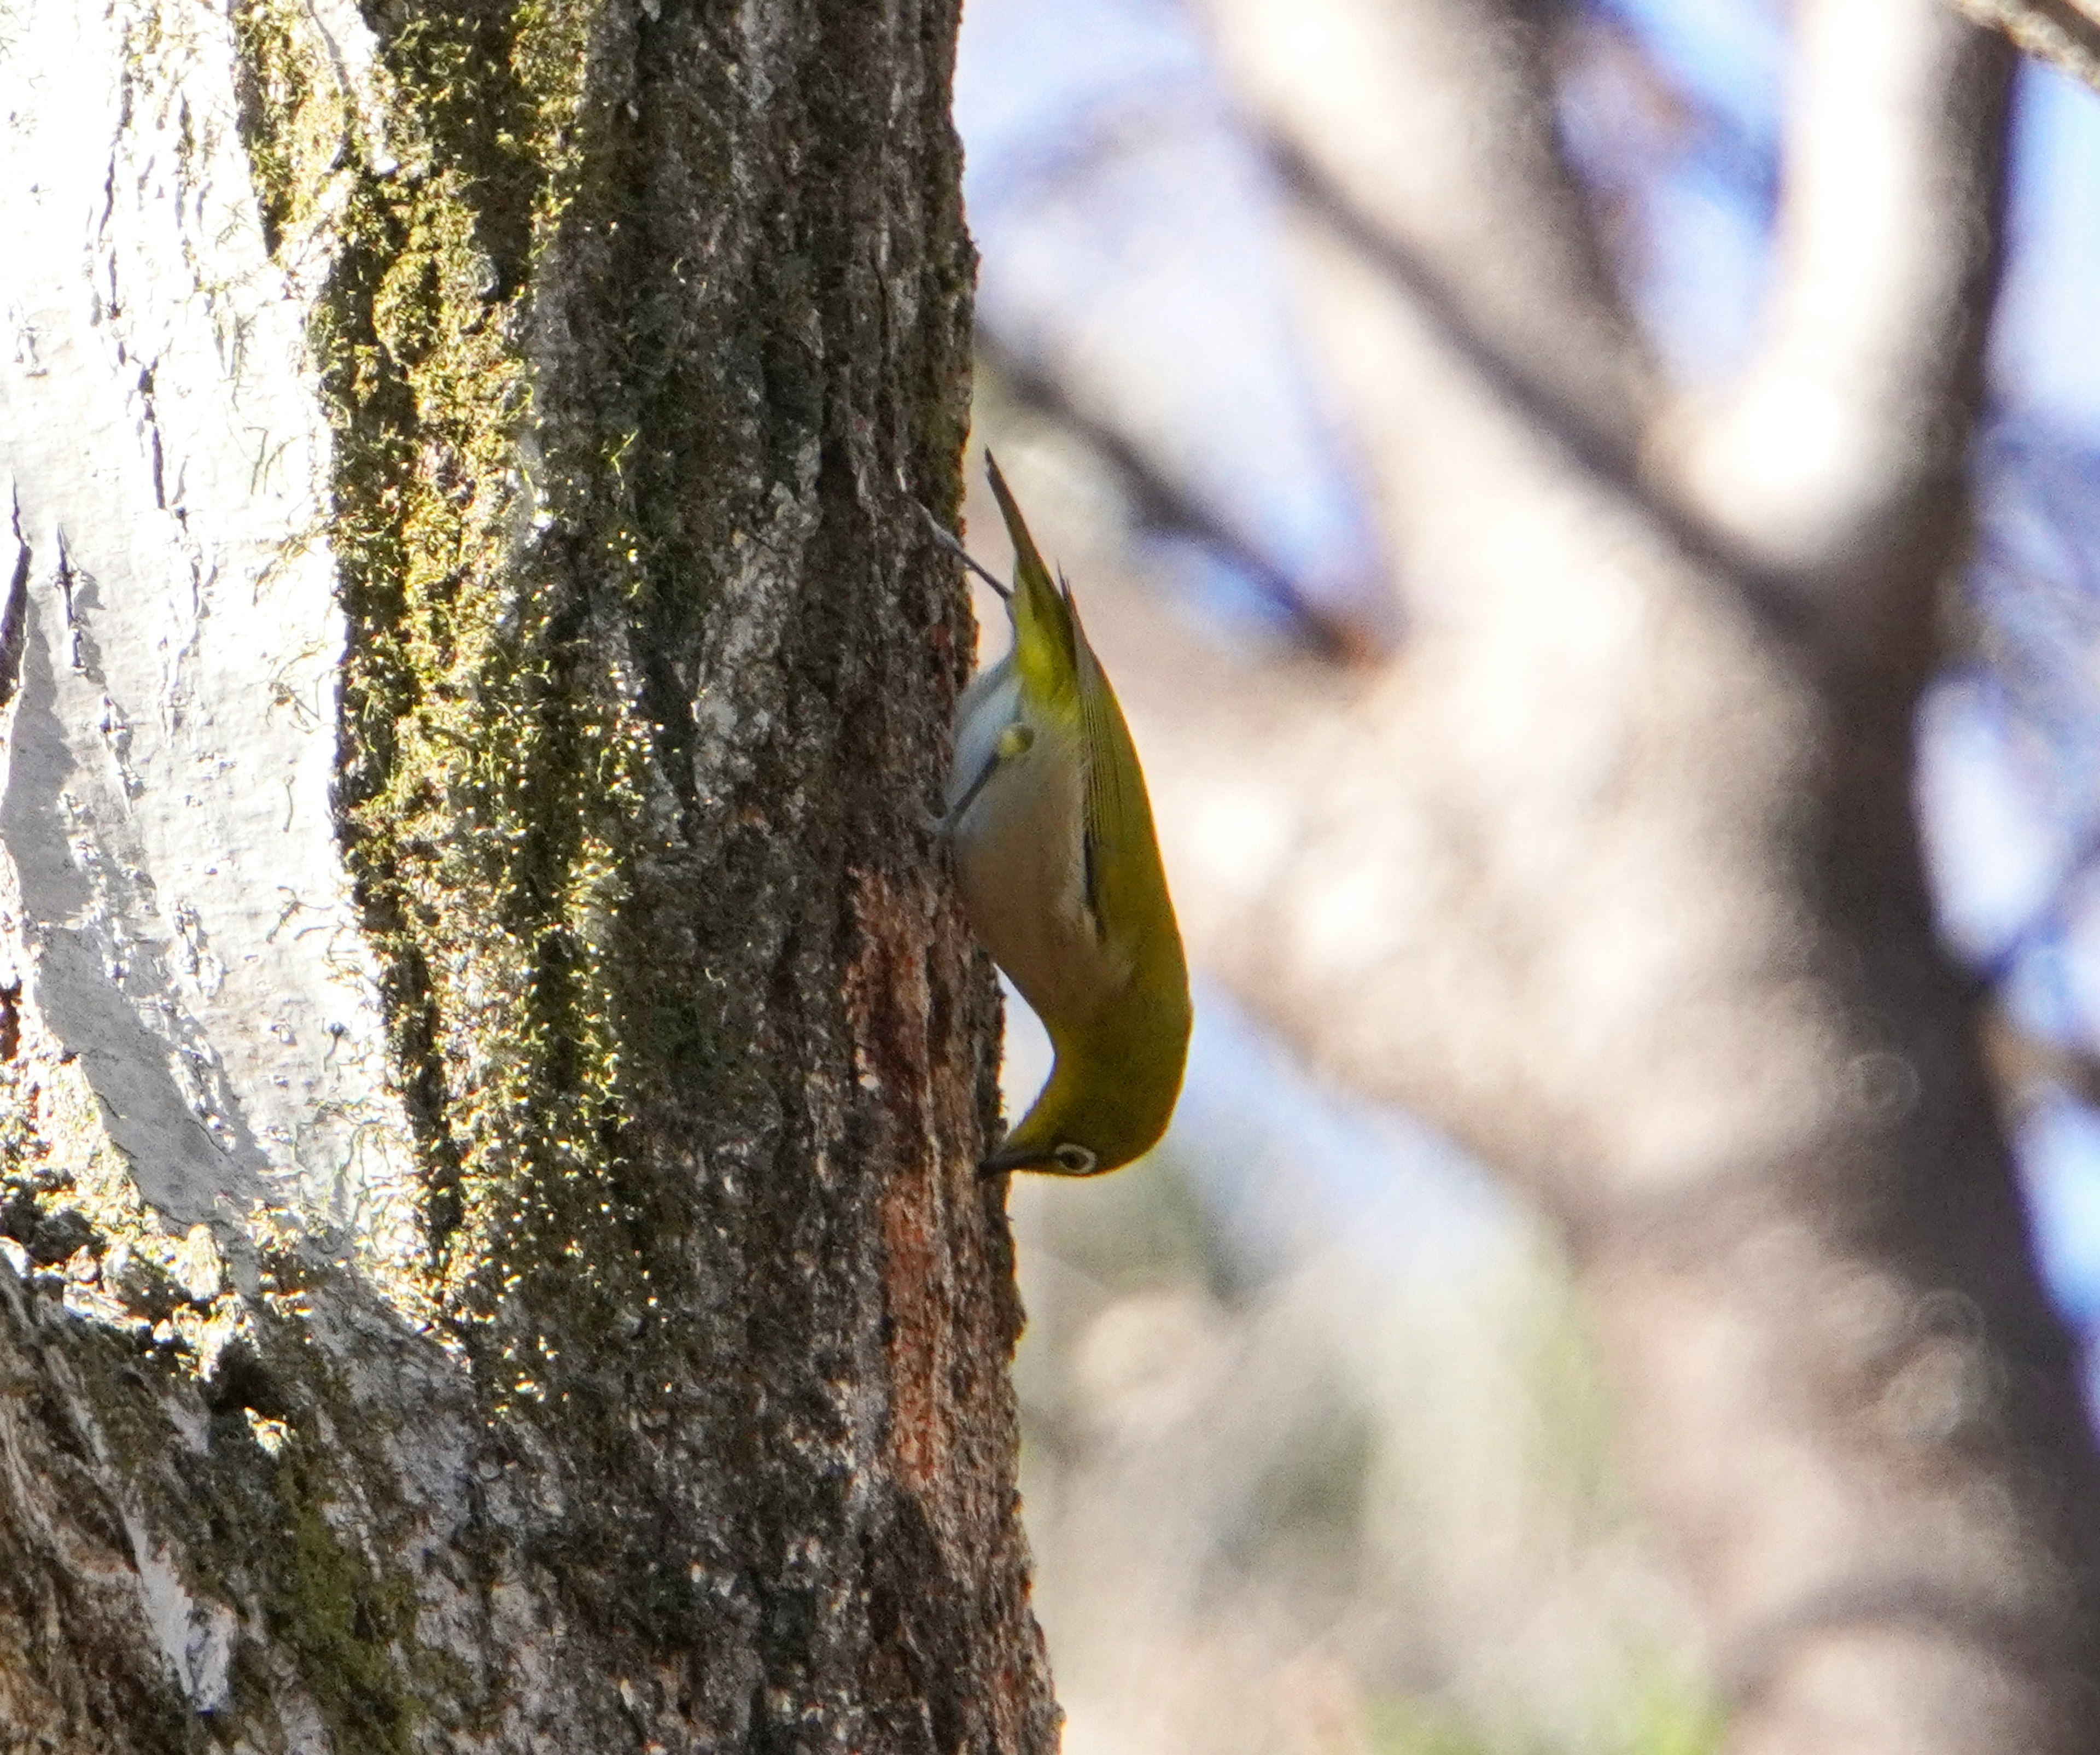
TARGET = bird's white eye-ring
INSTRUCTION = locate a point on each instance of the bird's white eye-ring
(1075, 1159)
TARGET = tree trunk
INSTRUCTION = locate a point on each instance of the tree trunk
(498, 1072)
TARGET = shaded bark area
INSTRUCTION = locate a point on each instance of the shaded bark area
(642, 332)
(79, 1667)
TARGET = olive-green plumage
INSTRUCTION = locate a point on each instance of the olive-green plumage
(1060, 876)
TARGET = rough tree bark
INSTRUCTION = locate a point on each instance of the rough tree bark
(494, 1257)
(1612, 872)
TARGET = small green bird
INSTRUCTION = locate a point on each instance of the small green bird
(1060, 876)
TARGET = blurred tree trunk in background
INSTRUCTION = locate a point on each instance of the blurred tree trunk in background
(1613, 871)
(494, 1254)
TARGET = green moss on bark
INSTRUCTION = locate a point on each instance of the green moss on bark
(493, 796)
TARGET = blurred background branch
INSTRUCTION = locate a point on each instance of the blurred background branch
(2058, 31)
(1156, 499)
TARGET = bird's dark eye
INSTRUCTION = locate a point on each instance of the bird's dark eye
(1075, 1159)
